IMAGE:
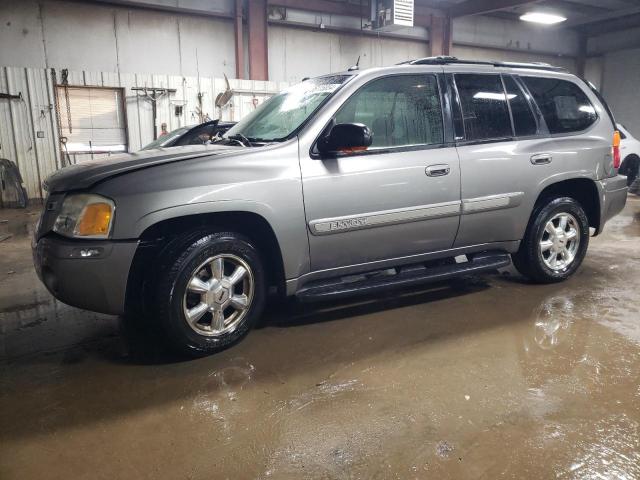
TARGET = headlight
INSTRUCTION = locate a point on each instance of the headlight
(86, 216)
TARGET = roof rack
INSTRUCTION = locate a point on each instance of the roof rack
(445, 60)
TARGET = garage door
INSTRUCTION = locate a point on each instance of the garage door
(92, 119)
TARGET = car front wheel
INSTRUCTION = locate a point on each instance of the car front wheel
(211, 292)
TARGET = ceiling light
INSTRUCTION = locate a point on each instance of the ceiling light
(546, 18)
(493, 96)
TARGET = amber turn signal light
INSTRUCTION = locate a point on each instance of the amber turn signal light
(95, 220)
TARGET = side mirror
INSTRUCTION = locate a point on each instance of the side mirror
(346, 137)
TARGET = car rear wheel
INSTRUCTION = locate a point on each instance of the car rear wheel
(555, 242)
(211, 291)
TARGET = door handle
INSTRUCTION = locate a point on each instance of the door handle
(439, 170)
(541, 159)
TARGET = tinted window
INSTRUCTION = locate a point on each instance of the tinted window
(524, 122)
(484, 107)
(399, 110)
(564, 105)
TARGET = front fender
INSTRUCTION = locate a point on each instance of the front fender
(264, 182)
(290, 233)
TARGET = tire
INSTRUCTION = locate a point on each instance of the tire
(214, 259)
(630, 167)
(534, 259)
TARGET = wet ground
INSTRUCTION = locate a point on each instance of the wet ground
(485, 377)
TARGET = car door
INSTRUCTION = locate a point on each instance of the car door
(508, 153)
(397, 199)
(495, 157)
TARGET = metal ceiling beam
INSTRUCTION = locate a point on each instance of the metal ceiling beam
(614, 25)
(478, 7)
(605, 5)
(581, 59)
(573, 6)
(602, 18)
(324, 6)
(422, 13)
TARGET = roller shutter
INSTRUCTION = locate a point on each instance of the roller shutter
(94, 121)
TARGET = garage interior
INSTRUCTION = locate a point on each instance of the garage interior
(486, 376)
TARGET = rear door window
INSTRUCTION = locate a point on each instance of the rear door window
(524, 122)
(565, 107)
(484, 107)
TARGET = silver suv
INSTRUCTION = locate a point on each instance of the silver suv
(344, 184)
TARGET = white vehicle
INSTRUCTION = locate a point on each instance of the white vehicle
(630, 152)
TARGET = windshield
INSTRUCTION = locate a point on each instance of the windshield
(165, 139)
(284, 113)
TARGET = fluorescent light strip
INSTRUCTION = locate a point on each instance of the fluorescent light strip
(544, 18)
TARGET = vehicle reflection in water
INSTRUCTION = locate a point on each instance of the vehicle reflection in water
(554, 319)
(569, 376)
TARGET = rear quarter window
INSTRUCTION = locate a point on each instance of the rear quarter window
(565, 107)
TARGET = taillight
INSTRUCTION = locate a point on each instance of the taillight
(616, 149)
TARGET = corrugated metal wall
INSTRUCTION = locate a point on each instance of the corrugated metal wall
(29, 130)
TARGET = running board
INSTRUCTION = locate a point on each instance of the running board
(400, 277)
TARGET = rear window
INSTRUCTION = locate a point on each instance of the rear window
(484, 107)
(563, 104)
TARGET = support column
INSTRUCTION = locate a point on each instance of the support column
(257, 23)
(239, 40)
(440, 35)
(581, 59)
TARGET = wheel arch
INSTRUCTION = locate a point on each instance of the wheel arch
(155, 238)
(630, 165)
(584, 190)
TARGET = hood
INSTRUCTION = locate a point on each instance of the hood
(86, 174)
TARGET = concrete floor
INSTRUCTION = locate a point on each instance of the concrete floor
(487, 377)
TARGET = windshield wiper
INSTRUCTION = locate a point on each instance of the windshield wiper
(244, 140)
(240, 138)
(262, 140)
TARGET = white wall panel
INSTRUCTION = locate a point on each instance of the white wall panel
(207, 46)
(621, 78)
(109, 38)
(25, 154)
(295, 53)
(478, 53)
(79, 36)
(39, 156)
(21, 34)
(492, 32)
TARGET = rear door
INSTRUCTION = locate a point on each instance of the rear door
(507, 151)
(495, 164)
(399, 198)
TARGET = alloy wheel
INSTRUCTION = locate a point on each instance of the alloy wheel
(218, 295)
(560, 241)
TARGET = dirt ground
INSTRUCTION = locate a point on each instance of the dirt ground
(485, 377)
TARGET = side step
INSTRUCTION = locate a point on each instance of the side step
(399, 277)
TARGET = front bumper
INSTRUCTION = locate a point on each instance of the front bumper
(97, 283)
